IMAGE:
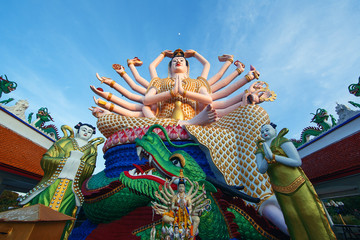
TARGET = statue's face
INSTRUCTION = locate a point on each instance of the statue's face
(85, 132)
(268, 132)
(178, 65)
(181, 188)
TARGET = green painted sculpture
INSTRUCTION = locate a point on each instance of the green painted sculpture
(137, 188)
(321, 119)
(42, 117)
(6, 87)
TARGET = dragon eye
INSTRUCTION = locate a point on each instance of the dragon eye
(178, 160)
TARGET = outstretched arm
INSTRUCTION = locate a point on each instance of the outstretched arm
(201, 59)
(132, 64)
(228, 59)
(192, 186)
(98, 111)
(155, 63)
(235, 86)
(110, 97)
(157, 195)
(117, 109)
(224, 82)
(202, 97)
(121, 71)
(196, 190)
(120, 89)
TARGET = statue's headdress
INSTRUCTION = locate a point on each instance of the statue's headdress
(181, 179)
(179, 53)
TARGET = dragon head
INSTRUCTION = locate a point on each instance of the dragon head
(6, 85)
(355, 88)
(162, 164)
(44, 115)
(320, 116)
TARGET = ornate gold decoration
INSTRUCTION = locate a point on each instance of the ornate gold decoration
(230, 60)
(111, 107)
(239, 71)
(178, 113)
(59, 194)
(112, 83)
(291, 187)
(122, 73)
(109, 96)
(247, 77)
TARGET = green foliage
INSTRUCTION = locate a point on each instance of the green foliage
(8, 199)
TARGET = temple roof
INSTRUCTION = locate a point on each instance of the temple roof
(20, 155)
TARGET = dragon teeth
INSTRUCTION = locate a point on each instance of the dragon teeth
(150, 172)
(150, 159)
(138, 150)
(132, 172)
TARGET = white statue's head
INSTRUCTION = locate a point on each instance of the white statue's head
(268, 131)
(178, 63)
(85, 131)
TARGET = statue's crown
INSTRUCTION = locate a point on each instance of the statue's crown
(181, 179)
(179, 53)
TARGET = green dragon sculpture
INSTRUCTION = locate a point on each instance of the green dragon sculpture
(6, 87)
(320, 118)
(109, 200)
(355, 88)
(42, 117)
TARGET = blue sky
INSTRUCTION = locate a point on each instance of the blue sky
(308, 51)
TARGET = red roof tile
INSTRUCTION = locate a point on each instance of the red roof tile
(339, 159)
(20, 155)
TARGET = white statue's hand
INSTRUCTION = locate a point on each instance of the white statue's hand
(168, 53)
(103, 79)
(118, 68)
(99, 112)
(225, 57)
(176, 85)
(239, 65)
(267, 151)
(189, 53)
(181, 89)
(253, 73)
(136, 61)
(76, 154)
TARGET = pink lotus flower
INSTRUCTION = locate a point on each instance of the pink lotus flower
(183, 135)
(123, 136)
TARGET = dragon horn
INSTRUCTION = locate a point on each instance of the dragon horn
(168, 139)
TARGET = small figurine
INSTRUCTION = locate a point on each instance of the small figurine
(153, 232)
(181, 209)
(67, 164)
(302, 209)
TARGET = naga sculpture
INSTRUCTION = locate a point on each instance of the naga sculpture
(42, 117)
(302, 208)
(6, 86)
(321, 119)
(66, 165)
(190, 110)
(111, 199)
